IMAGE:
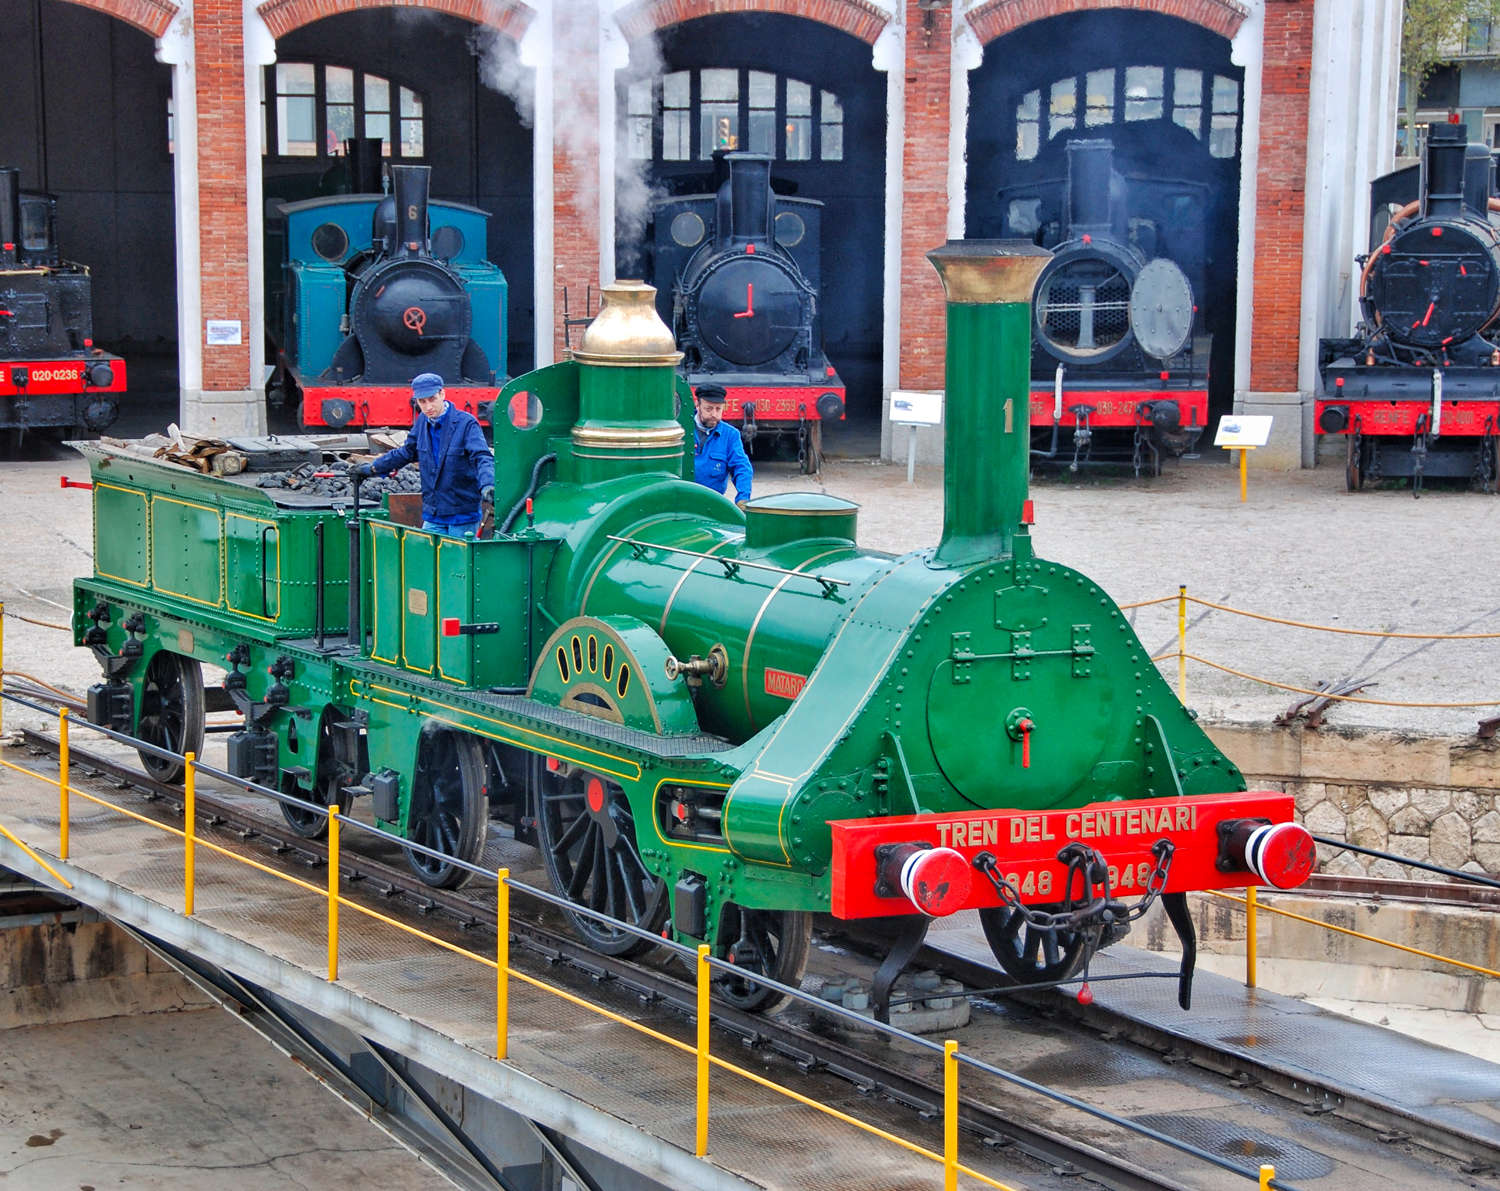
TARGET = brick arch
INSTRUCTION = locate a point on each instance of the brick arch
(995, 18)
(282, 16)
(149, 16)
(860, 18)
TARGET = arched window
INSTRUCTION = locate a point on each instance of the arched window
(308, 109)
(1147, 90)
(690, 114)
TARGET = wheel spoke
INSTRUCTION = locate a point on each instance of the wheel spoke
(571, 836)
(1049, 947)
(597, 886)
(614, 900)
(632, 889)
(585, 865)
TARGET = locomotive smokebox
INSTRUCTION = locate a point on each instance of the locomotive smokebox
(10, 214)
(986, 414)
(1443, 172)
(1090, 168)
(744, 202)
(410, 185)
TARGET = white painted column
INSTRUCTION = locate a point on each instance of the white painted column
(889, 55)
(1247, 50)
(536, 53)
(260, 52)
(1351, 141)
(968, 55)
(175, 48)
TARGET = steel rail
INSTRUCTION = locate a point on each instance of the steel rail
(807, 1052)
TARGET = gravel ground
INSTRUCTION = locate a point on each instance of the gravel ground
(1302, 548)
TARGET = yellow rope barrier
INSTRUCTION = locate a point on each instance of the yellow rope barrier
(1146, 603)
(1344, 930)
(1301, 690)
(46, 624)
(1326, 628)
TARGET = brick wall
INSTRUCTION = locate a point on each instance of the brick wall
(575, 161)
(859, 17)
(995, 18)
(1280, 195)
(150, 16)
(218, 39)
(924, 205)
(282, 16)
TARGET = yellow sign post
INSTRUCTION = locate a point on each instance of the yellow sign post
(1243, 433)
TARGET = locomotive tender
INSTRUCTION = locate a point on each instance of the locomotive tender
(738, 276)
(1416, 390)
(377, 289)
(51, 374)
(1119, 345)
(712, 724)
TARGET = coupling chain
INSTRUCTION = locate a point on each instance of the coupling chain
(1096, 910)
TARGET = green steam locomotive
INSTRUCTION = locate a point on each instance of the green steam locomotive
(712, 724)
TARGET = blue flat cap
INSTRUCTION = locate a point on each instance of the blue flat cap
(428, 384)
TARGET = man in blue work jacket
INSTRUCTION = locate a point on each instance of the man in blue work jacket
(456, 464)
(718, 452)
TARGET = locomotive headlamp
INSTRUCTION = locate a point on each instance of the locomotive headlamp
(935, 880)
(1282, 855)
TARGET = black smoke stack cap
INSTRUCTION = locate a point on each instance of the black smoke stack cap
(409, 184)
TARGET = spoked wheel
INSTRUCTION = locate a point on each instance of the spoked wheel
(327, 783)
(308, 824)
(1353, 478)
(769, 943)
(588, 844)
(171, 713)
(1028, 955)
(449, 806)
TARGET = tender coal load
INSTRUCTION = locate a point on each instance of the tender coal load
(331, 480)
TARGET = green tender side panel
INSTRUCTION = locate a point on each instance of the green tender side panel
(120, 551)
(500, 579)
(418, 601)
(252, 568)
(186, 556)
(455, 600)
(385, 587)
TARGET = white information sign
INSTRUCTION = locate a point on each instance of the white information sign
(911, 407)
(1243, 430)
(223, 332)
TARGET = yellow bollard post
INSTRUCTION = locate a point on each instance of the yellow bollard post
(950, 1116)
(2, 666)
(333, 892)
(703, 1022)
(1250, 940)
(189, 832)
(1244, 476)
(63, 783)
(502, 964)
(1182, 643)
(1267, 1173)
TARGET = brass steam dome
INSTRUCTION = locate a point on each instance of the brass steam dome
(627, 331)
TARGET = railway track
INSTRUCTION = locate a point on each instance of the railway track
(803, 1050)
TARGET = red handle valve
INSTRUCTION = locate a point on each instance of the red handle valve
(64, 482)
(1025, 726)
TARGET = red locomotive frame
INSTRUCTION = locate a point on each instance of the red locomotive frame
(1116, 407)
(50, 378)
(779, 403)
(390, 405)
(1401, 416)
(1026, 844)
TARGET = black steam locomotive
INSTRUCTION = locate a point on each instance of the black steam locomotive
(51, 374)
(1416, 390)
(737, 275)
(1119, 350)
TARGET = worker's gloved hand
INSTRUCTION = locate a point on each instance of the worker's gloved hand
(487, 494)
(363, 470)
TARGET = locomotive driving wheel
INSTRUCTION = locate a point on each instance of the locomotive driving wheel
(770, 943)
(171, 713)
(588, 845)
(1030, 955)
(449, 806)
